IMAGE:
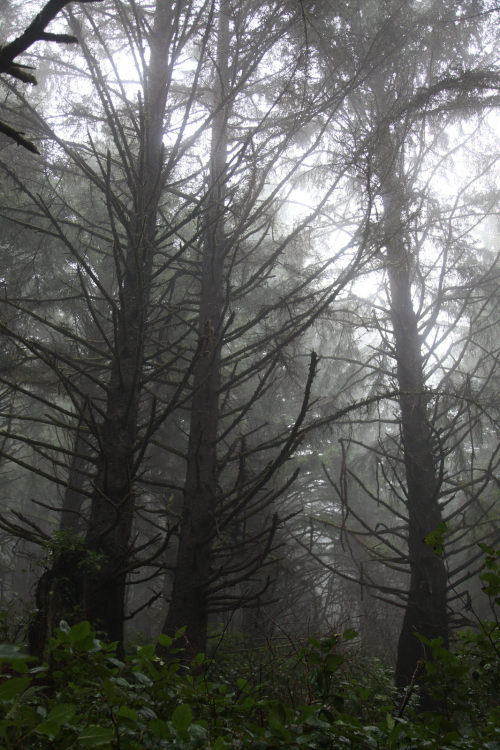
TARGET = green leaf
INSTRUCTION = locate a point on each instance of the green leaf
(182, 717)
(127, 713)
(13, 687)
(116, 662)
(165, 640)
(435, 538)
(142, 679)
(314, 642)
(110, 690)
(49, 729)
(79, 632)
(242, 684)
(486, 549)
(333, 662)
(277, 718)
(146, 652)
(220, 744)
(306, 712)
(59, 715)
(96, 736)
(349, 634)
(62, 713)
(160, 729)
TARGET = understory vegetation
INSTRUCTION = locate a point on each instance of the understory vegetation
(314, 694)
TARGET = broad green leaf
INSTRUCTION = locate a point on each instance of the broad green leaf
(277, 714)
(160, 729)
(111, 690)
(146, 652)
(142, 679)
(49, 728)
(306, 712)
(276, 719)
(13, 687)
(116, 662)
(127, 713)
(165, 640)
(79, 631)
(59, 715)
(62, 713)
(96, 736)
(182, 717)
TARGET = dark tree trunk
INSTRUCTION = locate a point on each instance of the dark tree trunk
(426, 608)
(59, 590)
(189, 599)
(113, 502)
(58, 597)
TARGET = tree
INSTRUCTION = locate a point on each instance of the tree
(388, 115)
(217, 499)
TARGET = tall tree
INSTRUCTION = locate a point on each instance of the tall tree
(426, 612)
(243, 334)
(188, 603)
(387, 112)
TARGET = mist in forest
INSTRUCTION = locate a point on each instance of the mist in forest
(249, 320)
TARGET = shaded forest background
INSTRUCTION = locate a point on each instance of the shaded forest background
(249, 318)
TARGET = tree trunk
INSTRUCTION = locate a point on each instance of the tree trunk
(189, 600)
(113, 502)
(426, 608)
(59, 590)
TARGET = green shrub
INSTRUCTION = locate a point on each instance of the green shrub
(318, 695)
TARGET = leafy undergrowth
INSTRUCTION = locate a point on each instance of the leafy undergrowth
(90, 699)
(321, 695)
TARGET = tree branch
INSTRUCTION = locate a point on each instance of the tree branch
(35, 32)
